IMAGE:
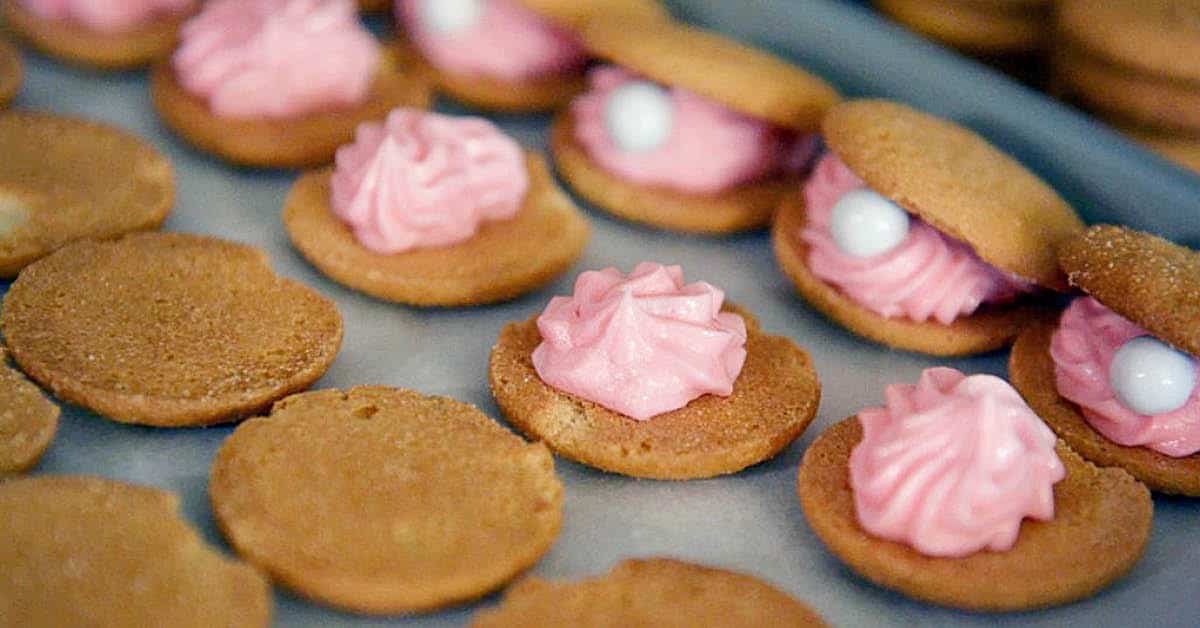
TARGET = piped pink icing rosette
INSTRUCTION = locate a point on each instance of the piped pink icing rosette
(640, 345)
(711, 148)
(424, 180)
(1083, 346)
(928, 275)
(506, 41)
(107, 16)
(952, 465)
(276, 58)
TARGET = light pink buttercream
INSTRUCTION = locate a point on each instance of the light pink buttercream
(423, 179)
(276, 58)
(107, 16)
(952, 465)
(640, 345)
(711, 148)
(928, 275)
(510, 43)
(1083, 346)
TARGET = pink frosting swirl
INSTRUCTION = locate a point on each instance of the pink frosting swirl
(952, 465)
(423, 180)
(509, 42)
(928, 275)
(640, 345)
(276, 58)
(107, 16)
(1083, 346)
(710, 148)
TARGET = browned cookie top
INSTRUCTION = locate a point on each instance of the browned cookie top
(575, 14)
(650, 592)
(11, 72)
(1146, 279)
(84, 551)
(62, 179)
(1155, 36)
(167, 329)
(745, 79)
(28, 420)
(958, 182)
(385, 500)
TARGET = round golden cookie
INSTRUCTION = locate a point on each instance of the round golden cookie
(991, 327)
(63, 179)
(310, 140)
(1144, 278)
(76, 44)
(742, 78)
(1182, 150)
(167, 329)
(382, 500)
(1032, 372)
(575, 14)
(1160, 37)
(958, 182)
(746, 207)
(1100, 528)
(659, 592)
(12, 73)
(28, 420)
(977, 27)
(85, 551)
(1131, 96)
(774, 398)
(496, 264)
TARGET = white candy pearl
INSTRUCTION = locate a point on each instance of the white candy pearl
(1150, 377)
(444, 17)
(639, 116)
(866, 224)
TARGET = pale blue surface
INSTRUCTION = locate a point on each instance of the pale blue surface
(751, 521)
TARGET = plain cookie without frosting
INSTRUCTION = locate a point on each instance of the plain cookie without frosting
(28, 420)
(12, 73)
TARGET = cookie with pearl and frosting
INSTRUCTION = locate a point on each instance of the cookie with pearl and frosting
(667, 140)
(956, 493)
(279, 83)
(116, 34)
(649, 376)
(918, 234)
(435, 210)
(508, 55)
(1116, 376)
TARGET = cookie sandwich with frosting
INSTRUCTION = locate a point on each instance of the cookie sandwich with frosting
(649, 376)
(428, 209)
(1116, 376)
(955, 493)
(687, 130)
(917, 233)
(278, 83)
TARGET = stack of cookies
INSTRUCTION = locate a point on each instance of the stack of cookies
(1136, 63)
(1010, 34)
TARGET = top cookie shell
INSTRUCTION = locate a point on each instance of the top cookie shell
(958, 182)
(1157, 36)
(575, 14)
(742, 78)
(1142, 277)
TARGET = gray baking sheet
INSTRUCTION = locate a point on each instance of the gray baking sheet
(750, 521)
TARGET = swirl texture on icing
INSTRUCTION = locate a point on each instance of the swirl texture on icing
(107, 16)
(711, 148)
(509, 42)
(276, 58)
(952, 465)
(642, 344)
(928, 275)
(1083, 346)
(423, 179)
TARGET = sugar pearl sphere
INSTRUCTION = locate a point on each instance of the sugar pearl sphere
(639, 116)
(865, 224)
(443, 17)
(1150, 377)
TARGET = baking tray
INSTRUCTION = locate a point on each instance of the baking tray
(750, 521)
